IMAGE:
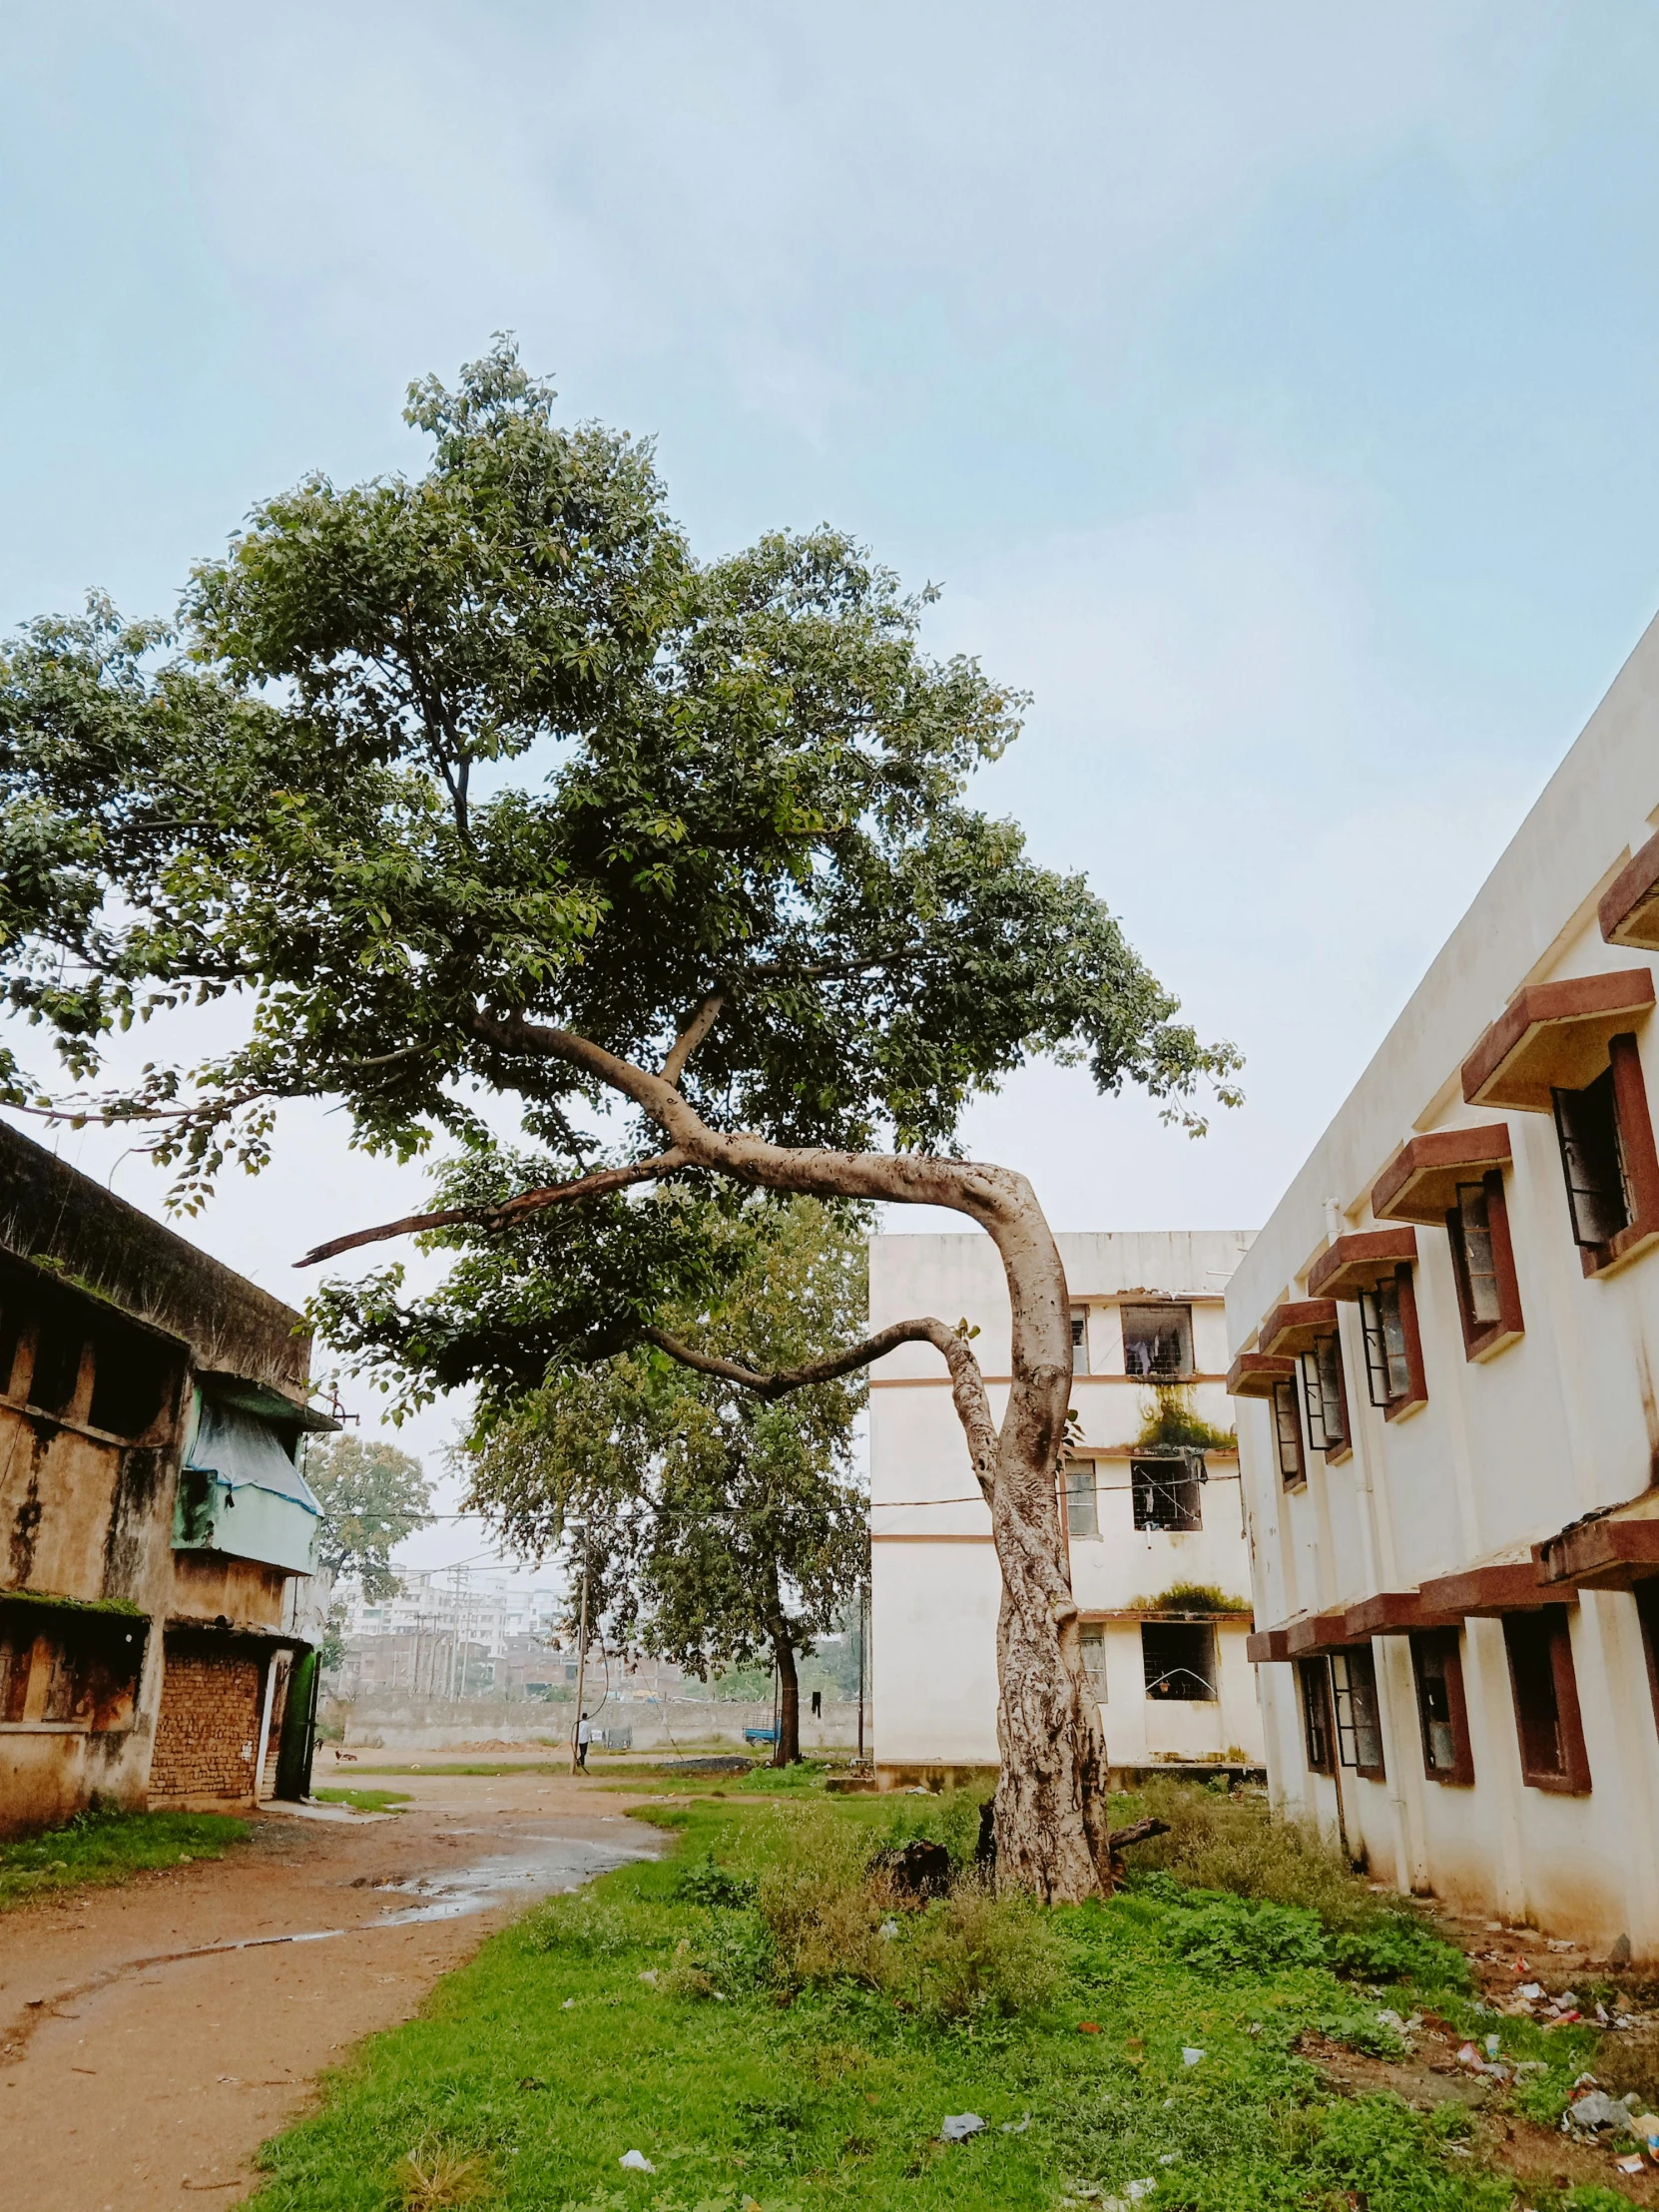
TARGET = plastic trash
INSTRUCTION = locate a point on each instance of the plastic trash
(957, 2126)
(636, 2162)
(888, 1931)
(1493, 2047)
(1634, 2164)
(569, 2006)
(1596, 2114)
(1189, 2056)
(1017, 2127)
(1532, 1991)
(650, 1974)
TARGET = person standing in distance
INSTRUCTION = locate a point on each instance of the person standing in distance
(584, 1737)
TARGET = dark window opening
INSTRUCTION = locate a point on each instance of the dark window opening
(1180, 1660)
(1157, 1339)
(1287, 1434)
(1095, 1658)
(1647, 1612)
(1545, 1691)
(1082, 1506)
(1324, 1397)
(11, 1335)
(92, 1663)
(1359, 1722)
(131, 1382)
(1437, 1664)
(59, 1342)
(1314, 1682)
(1167, 1492)
(1483, 1264)
(1593, 1158)
(1079, 1340)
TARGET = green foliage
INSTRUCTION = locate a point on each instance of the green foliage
(109, 1847)
(372, 1496)
(720, 1527)
(1172, 1421)
(545, 2061)
(704, 1883)
(1230, 1936)
(744, 773)
(1191, 1597)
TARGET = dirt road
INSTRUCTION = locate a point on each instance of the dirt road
(154, 2034)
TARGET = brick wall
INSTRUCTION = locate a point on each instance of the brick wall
(207, 1729)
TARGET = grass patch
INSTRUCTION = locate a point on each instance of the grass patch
(109, 1847)
(363, 1800)
(771, 2027)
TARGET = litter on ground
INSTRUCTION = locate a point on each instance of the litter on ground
(958, 2125)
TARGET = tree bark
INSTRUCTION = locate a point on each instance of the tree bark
(1052, 1827)
(786, 1751)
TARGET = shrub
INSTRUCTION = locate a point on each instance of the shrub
(1217, 1842)
(705, 1883)
(586, 1927)
(1231, 1937)
(978, 1954)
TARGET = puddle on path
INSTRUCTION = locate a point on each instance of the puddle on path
(560, 1862)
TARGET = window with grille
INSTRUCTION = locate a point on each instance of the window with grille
(1287, 1434)
(1393, 1355)
(1358, 1723)
(1438, 1667)
(1313, 1683)
(1094, 1657)
(1608, 1158)
(1158, 1340)
(1593, 1158)
(1167, 1492)
(1082, 1504)
(1179, 1658)
(1545, 1692)
(1080, 1340)
(1324, 1396)
(1483, 1264)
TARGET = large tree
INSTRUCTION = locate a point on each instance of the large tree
(478, 783)
(372, 1496)
(716, 1526)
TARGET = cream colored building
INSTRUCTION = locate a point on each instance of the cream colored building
(1150, 1334)
(1447, 1360)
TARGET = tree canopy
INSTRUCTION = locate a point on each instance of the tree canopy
(372, 1497)
(424, 763)
(716, 1526)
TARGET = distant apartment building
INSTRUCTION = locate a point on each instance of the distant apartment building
(1154, 1529)
(156, 1614)
(1446, 1368)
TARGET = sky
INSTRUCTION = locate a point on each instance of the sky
(1270, 390)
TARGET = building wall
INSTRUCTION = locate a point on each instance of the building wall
(935, 1585)
(1507, 1450)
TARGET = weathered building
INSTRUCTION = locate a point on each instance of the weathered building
(1446, 1344)
(155, 1524)
(1150, 1507)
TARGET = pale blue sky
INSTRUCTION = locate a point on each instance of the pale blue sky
(1272, 388)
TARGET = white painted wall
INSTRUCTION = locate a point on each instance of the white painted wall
(935, 1585)
(1506, 1450)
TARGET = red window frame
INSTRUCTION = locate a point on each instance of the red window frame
(1549, 1731)
(1437, 1656)
(1319, 1733)
(1481, 1337)
(1414, 1391)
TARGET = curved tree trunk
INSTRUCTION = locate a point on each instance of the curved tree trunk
(1052, 1832)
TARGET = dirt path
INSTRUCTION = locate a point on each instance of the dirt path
(140, 2068)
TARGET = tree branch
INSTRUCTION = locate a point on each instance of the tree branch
(701, 1022)
(510, 1210)
(828, 1370)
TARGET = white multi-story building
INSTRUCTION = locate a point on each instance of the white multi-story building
(1155, 1531)
(482, 1609)
(1447, 1360)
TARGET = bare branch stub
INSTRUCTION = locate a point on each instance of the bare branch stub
(510, 1210)
(786, 1380)
(702, 1021)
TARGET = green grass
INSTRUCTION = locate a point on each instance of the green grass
(530, 2072)
(109, 1847)
(364, 1800)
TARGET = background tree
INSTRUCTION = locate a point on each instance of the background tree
(372, 1497)
(719, 1527)
(731, 889)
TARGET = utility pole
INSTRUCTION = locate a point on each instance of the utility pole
(581, 1649)
(862, 1617)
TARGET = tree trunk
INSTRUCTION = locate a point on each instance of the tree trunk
(786, 1751)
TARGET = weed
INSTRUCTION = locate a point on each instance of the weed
(364, 1800)
(110, 1847)
(704, 1882)
(1231, 1937)
(585, 1926)
(432, 2180)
